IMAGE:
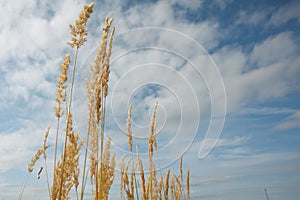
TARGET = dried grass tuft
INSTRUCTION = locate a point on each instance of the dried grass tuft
(129, 133)
(66, 174)
(152, 138)
(78, 31)
(108, 168)
(188, 185)
(39, 152)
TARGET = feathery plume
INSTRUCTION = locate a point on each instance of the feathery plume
(160, 188)
(152, 137)
(142, 175)
(172, 186)
(108, 168)
(180, 167)
(96, 95)
(67, 170)
(61, 86)
(188, 185)
(129, 133)
(122, 171)
(167, 185)
(178, 187)
(78, 31)
(39, 152)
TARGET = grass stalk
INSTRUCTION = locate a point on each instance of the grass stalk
(55, 153)
(47, 176)
(23, 188)
(67, 123)
(102, 140)
(135, 180)
(83, 183)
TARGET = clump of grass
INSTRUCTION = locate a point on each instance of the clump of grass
(67, 170)
(97, 90)
(153, 185)
(100, 165)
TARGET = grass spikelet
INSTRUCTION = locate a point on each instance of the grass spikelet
(167, 185)
(128, 182)
(78, 31)
(131, 183)
(180, 168)
(122, 171)
(61, 86)
(60, 98)
(39, 152)
(152, 138)
(129, 133)
(160, 188)
(188, 185)
(178, 189)
(172, 187)
(142, 175)
(93, 136)
(108, 167)
(35, 158)
(97, 91)
(67, 170)
(107, 63)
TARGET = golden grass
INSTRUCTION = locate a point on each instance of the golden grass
(39, 152)
(100, 167)
(152, 185)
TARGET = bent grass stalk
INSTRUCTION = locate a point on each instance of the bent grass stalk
(102, 162)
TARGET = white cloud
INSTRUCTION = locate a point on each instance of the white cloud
(233, 144)
(231, 61)
(200, 181)
(162, 14)
(33, 43)
(285, 13)
(193, 4)
(291, 122)
(270, 70)
(274, 49)
(16, 147)
(252, 18)
(222, 4)
(271, 16)
(266, 111)
(236, 141)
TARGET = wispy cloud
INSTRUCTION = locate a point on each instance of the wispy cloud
(267, 72)
(286, 13)
(291, 122)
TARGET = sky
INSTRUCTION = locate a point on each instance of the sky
(225, 75)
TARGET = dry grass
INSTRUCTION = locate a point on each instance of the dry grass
(152, 185)
(100, 164)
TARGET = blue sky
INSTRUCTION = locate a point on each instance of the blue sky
(225, 74)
